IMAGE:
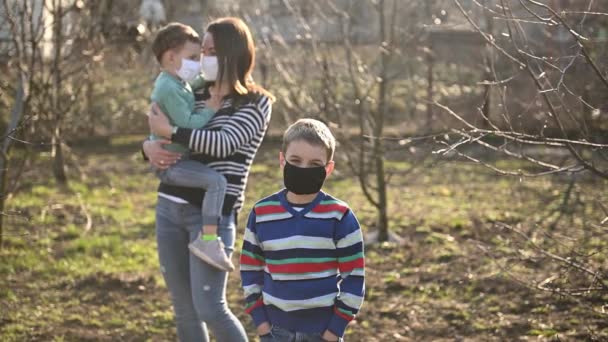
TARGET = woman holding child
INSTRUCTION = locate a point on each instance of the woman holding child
(227, 144)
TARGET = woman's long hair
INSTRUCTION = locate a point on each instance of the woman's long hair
(235, 53)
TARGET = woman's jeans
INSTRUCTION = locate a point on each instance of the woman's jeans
(198, 290)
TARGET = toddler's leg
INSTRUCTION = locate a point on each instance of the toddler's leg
(193, 174)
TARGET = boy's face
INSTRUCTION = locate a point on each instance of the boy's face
(302, 154)
(190, 50)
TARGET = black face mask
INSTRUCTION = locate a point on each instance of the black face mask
(303, 181)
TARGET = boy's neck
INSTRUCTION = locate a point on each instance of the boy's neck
(300, 199)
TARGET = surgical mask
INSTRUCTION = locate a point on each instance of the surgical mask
(209, 67)
(189, 70)
(303, 181)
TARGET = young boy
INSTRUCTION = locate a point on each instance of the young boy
(302, 263)
(177, 48)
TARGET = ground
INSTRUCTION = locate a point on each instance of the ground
(79, 263)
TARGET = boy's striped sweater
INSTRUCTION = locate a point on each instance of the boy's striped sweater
(303, 270)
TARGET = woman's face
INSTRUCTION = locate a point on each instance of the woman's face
(208, 47)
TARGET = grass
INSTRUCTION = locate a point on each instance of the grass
(80, 263)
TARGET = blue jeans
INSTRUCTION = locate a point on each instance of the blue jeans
(192, 174)
(278, 334)
(198, 290)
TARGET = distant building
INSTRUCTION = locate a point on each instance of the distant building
(42, 21)
(153, 12)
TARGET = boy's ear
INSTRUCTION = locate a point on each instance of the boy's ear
(170, 56)
(281, 159)
(329, 168)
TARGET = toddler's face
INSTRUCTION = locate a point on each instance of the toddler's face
(190, 50)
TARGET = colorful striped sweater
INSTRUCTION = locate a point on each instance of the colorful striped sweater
(303, 270)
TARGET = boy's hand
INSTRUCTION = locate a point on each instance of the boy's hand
(215, 101)
(329, 336)
(264, 329)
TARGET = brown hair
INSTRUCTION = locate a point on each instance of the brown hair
(235, 53)
(313, 132)
(173, 36)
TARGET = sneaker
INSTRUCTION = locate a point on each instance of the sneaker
(211, 252)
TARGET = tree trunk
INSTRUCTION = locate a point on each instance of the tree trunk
(88, 104)
(58, 158)
(430, 66)
(488, 75)
(383, 227)
(16, 115)
(57, 151)
(378, 146)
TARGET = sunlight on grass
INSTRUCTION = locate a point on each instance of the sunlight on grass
(81, 261)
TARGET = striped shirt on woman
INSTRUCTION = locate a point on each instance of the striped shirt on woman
(228, 143)
(303, 270)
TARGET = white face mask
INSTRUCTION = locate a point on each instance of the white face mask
(209, 67)
(189, 69)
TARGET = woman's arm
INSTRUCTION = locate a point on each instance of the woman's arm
(240, 128)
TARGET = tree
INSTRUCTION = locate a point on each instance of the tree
(360, 67)
(55, 43)
(552, 70)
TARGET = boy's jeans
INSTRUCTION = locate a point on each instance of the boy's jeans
(278, 334)
(192, 174)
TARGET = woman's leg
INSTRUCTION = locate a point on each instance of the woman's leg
(172, 239)
(209, 289)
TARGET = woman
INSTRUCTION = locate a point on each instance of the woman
(227, 144)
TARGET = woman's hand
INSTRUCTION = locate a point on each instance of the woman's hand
(158, 156)
(158, 122)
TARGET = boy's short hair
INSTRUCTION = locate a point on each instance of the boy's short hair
(173, 36)
(313, 132)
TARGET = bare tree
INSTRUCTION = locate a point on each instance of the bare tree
(55, 43)
(552, 71)
(20, 104)
(14, 124)
(344, 62)
(555, 79)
